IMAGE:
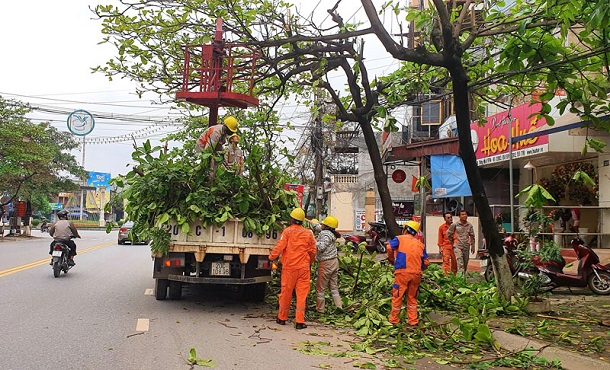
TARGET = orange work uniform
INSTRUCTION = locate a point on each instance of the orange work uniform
(297, 248)
(449, 261)
(410, 259)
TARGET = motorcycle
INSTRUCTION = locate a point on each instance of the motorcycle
(44, 227)
(511, 251)
(375, 239)
(590, 273)
(61, 258)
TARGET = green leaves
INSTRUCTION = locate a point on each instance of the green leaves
(193, 360)
(537, 196)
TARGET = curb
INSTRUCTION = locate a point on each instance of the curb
(569, 360)
(515, 343)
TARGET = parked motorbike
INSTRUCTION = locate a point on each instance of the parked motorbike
(44, 227)
(590, 273)
(375, 239)
(61, 258)
(510, 251)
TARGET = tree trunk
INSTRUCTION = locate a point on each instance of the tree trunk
(490, 230)
(381, 179)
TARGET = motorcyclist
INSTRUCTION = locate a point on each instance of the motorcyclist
(63, 231)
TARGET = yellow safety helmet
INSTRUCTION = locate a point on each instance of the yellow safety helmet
(412, 227)
(232, 136)
(298, 214)
(331, 222)
(315, 221)
(231, 123)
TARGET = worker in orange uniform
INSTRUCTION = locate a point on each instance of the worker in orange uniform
(410, 259)
(215, 136)
(297, 248)
(445, 247)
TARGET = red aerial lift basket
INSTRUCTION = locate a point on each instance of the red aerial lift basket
(219, 75)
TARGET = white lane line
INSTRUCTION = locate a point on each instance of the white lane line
(143, 325)
(149, 292)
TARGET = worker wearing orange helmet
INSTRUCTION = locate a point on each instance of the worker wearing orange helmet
(216, 135)
(410, 258)
(297, 248)
(328, 264)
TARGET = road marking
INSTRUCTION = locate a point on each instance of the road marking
(45, 261)
(143, 325)
(149, 292)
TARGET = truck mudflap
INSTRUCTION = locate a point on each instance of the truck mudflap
(216, 280)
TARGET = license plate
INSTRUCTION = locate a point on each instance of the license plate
(483, 263)
(220, 269)
(56, 254)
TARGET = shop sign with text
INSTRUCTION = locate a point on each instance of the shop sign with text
(491, 141)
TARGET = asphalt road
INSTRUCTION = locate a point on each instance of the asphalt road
(103, 315)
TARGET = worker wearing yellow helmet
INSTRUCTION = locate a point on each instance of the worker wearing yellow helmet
(297, 248)
(328, 264)
(410, 258)
(215, 136)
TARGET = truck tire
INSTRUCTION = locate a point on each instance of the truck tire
(175, 290)
(161, 289)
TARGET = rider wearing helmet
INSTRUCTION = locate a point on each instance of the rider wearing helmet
(63, 231)
(409, 257)
(328, 267)
(297, 248)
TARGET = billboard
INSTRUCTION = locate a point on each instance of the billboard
(98, 179)
(490, 142)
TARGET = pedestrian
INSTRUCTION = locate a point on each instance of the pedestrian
(445, 247)
(328, 264)
(297, 248)
(461, 236)
(410, 258)
(234, 158)
(216, 135)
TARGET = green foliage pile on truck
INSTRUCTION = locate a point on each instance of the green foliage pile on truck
(206, 228)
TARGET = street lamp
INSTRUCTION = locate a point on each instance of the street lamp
(531, 167)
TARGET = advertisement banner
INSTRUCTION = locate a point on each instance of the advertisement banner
(298, 189)
(490, 142)
(448, 176)
(98, 179)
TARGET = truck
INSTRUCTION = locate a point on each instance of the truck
(226, 255)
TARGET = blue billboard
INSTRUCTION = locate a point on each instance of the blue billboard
(98, 179)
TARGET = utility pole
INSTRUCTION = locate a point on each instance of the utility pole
(317, 144)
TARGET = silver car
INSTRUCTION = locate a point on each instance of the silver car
(124, 234)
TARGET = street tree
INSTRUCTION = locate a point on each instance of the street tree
(35, 159)
(477, 52)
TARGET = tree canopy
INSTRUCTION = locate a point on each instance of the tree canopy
(35, 159)
(474, 52)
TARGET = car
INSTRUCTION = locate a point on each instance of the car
(124, 231)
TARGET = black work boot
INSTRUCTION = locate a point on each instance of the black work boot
(280, 321)
(300, 325)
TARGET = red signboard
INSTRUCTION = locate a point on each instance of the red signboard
(21, 208)
(399, 176)
(299, 189)
(491, 141)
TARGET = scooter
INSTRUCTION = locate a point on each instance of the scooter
(375, 239)
(61, 258)
(591, 272)
(512, 257)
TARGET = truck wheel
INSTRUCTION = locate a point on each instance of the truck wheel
(175, 290)
(161, 288)
(256, 292)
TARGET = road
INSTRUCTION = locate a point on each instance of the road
(103, 315)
